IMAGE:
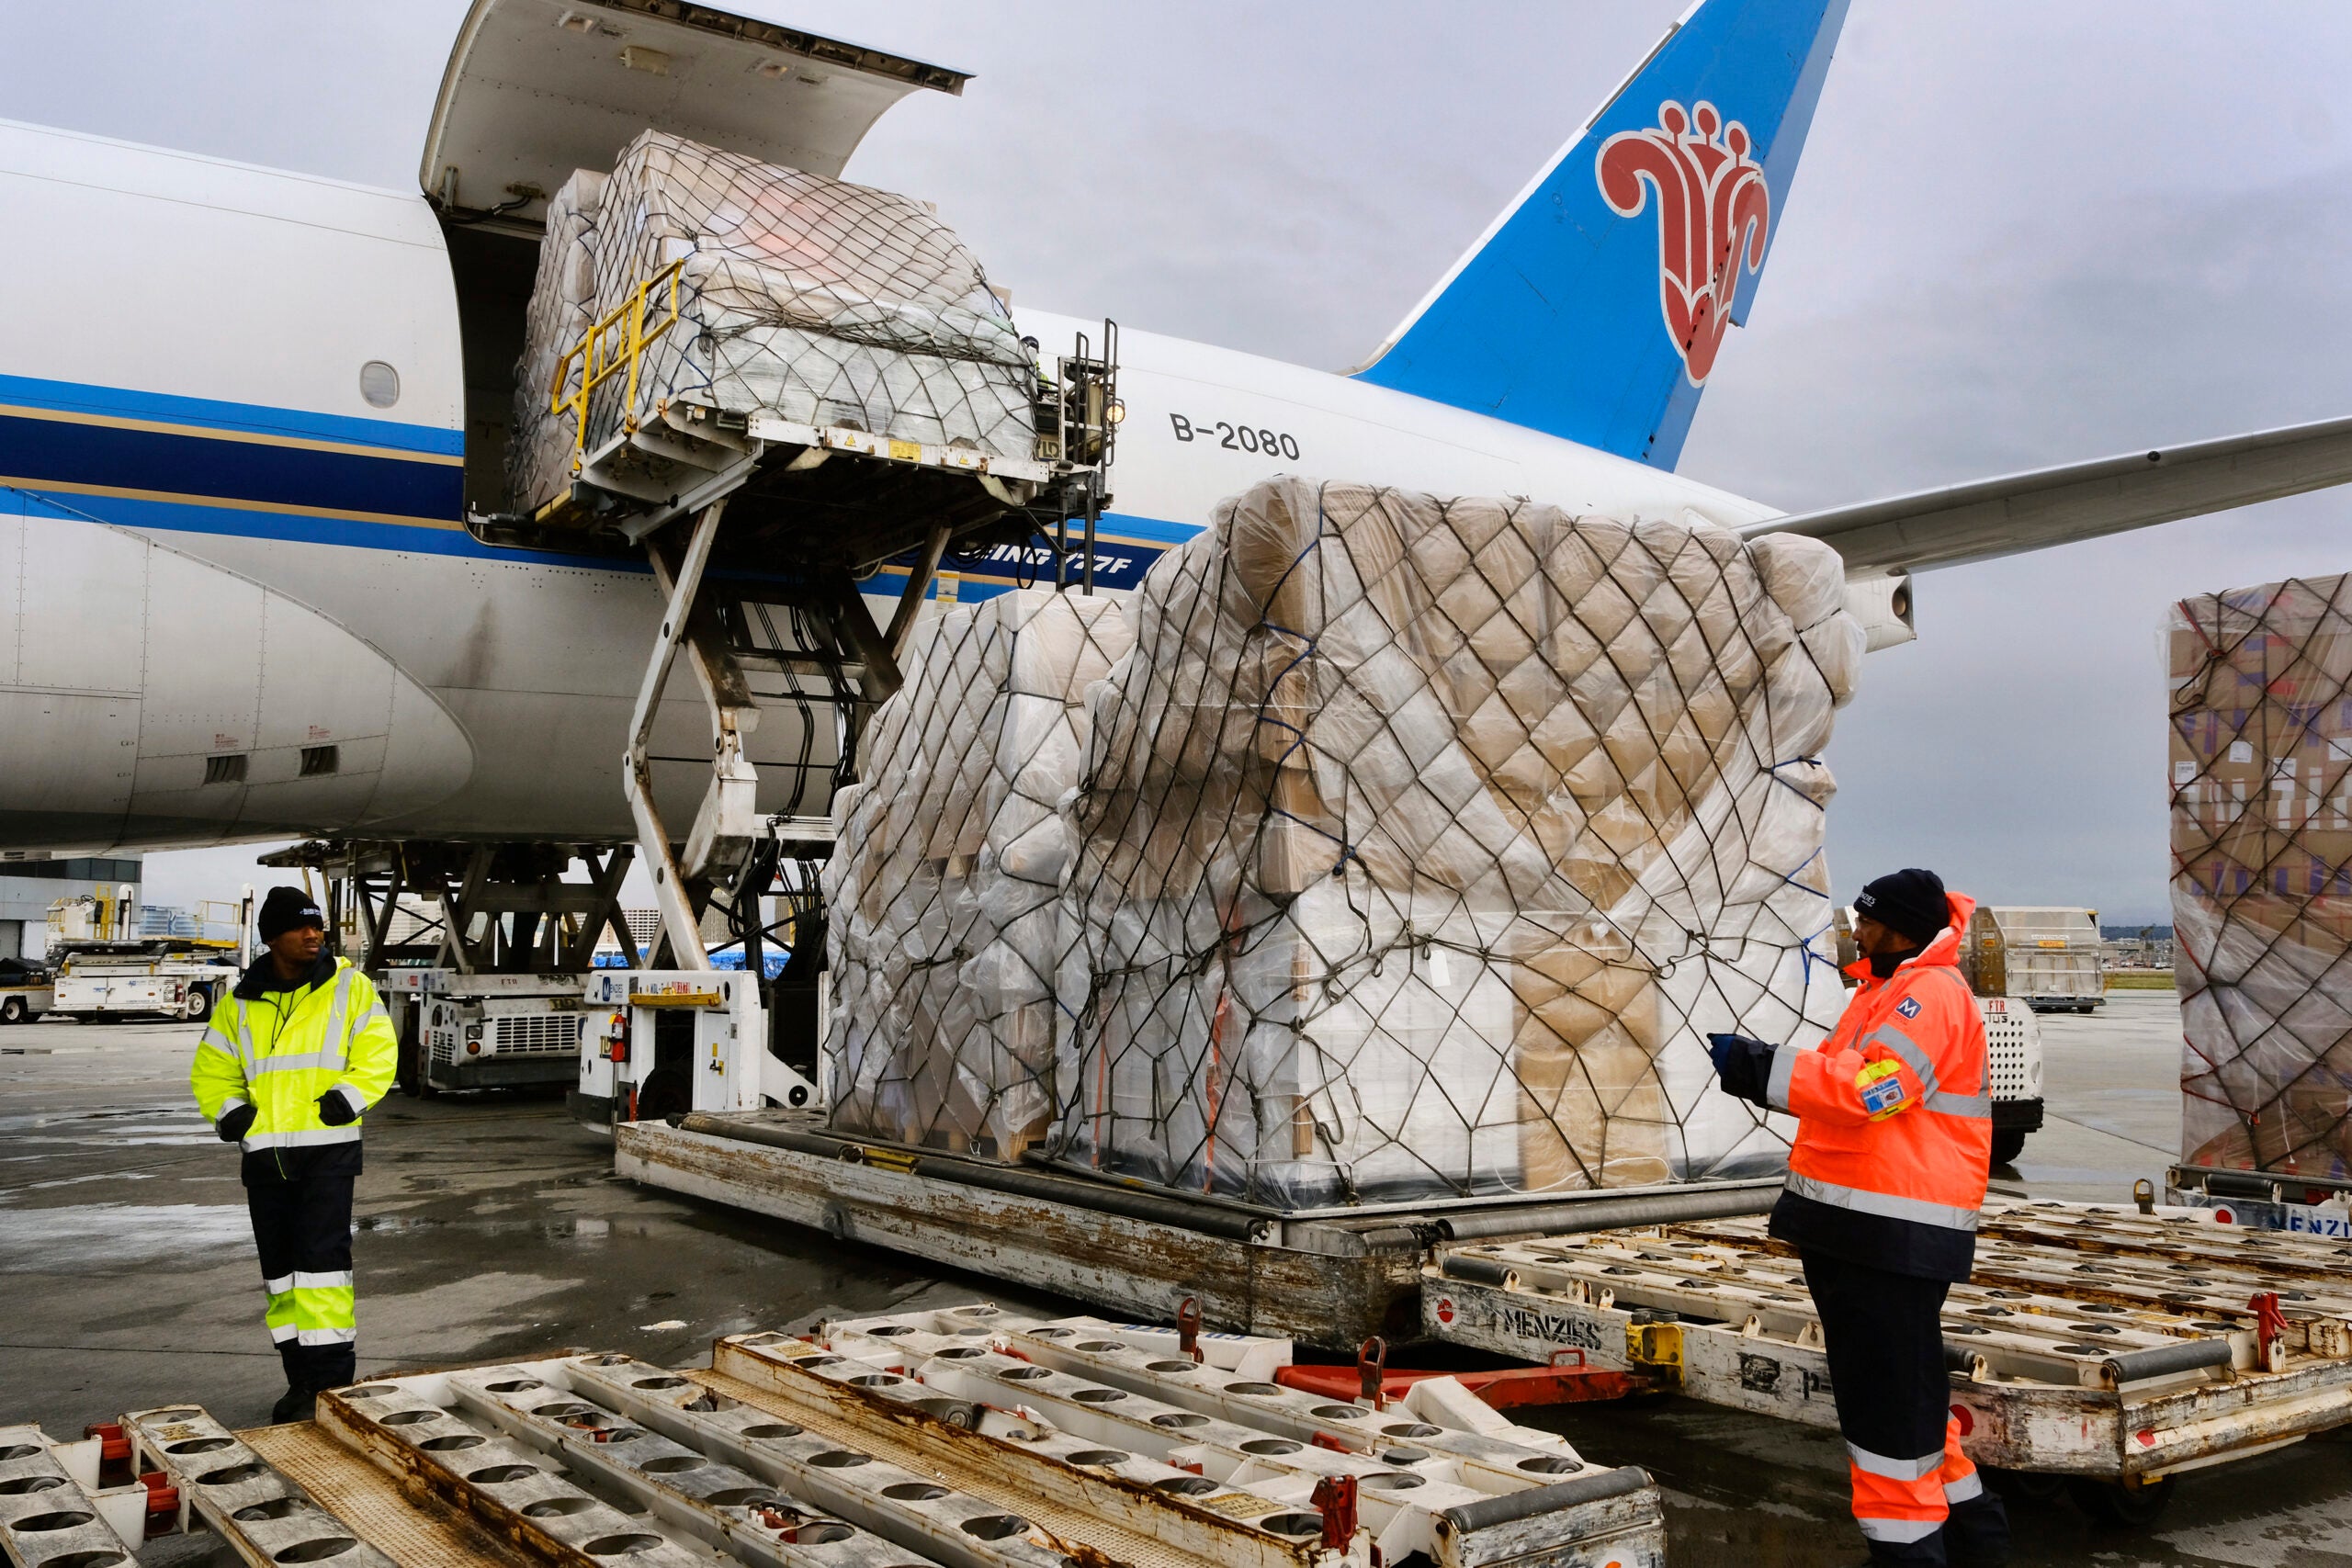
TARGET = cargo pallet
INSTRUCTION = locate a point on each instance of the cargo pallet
(2092, 1341)
(962, 1439)
(1331, 1278)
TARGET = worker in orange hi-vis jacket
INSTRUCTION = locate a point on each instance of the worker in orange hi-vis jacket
(1893, 1146)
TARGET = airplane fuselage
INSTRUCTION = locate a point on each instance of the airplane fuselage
(239, 600)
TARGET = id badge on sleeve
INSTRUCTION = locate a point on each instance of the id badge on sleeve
(1881, 1086)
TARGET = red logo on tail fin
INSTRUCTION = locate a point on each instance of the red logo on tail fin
(1713, 212)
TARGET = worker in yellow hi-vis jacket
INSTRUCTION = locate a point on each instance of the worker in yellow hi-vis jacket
(287, 1063)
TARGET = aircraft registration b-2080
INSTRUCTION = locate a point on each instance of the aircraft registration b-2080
(257, 572)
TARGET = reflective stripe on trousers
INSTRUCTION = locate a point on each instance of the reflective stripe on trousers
(311, 1309)
(1904, 1500)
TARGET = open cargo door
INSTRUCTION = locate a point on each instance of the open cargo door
(539, 88)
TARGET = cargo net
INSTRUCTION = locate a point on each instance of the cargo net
(1421, 843)
(2262, 874)
(563, 306)
(823, 303)
(945, 925)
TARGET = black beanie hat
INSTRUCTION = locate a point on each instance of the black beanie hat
(1908, 903)
(285, 909)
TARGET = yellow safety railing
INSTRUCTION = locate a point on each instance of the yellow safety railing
(601, 358)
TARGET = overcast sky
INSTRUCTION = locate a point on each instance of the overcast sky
(2023, 234)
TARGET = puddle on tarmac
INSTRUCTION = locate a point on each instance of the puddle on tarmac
(563, 1229)
(101, 1236)
(170, 1126)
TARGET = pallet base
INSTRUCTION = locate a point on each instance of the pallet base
(1339, 1287)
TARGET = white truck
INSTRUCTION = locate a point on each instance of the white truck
(158, 976)
(113, 959)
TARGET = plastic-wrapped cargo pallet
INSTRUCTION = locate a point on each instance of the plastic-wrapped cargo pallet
(563, 306)
(944, 923)
(1397, 831)
(825, 303)
(2262, 874)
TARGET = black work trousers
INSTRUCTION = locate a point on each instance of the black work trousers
(303, 1230)
(1883, 1335)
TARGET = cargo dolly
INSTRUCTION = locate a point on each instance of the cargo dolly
(1331, 1278)
(965, 1437)
(2094, 1343)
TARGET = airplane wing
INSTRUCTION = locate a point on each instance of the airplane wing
(2010, 516)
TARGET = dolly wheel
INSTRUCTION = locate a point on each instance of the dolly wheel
(2032, 1486)
(2007, 1144)
(2132, 1503)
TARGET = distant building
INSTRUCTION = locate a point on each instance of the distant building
(28, 887)
(2138, 947)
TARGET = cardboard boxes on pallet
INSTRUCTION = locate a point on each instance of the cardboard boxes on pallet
(2261, 758)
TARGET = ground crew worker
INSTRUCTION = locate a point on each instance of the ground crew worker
(288, 1061)
(1893, 1146)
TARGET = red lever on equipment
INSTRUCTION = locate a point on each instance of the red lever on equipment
(2270, 1326)
(1372, 1367)
(1188, 1326)
(1335, 1498)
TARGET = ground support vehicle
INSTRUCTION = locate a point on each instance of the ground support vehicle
(658, 1043)
(156, 976)
(2307, 1206)
(26, 990)
(460, 1030)
(962, 1439)
(2054, 959)
(2111, 1346)
(2013, 1052)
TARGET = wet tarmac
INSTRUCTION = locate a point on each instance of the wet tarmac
(489, 1226)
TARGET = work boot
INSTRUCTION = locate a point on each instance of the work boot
(295, 1404)
(1976, 1535)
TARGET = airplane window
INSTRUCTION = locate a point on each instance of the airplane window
(379, 384)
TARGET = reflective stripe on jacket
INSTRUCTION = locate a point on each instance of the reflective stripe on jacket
(1895, 1119)
(279, 1051)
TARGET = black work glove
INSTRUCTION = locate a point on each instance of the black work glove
(335, 1111)
(233, 1124)
(1743, 1067)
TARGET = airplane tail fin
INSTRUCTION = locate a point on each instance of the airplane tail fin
(1593, 307)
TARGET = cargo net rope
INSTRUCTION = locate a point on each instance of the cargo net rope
(944, 922)
(2261, 754)
(821, 302)
(1421, 843)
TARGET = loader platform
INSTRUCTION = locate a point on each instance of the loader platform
(2091, 1341)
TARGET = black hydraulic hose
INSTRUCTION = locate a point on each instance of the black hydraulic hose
(1101, 1198)
(1709, 1203)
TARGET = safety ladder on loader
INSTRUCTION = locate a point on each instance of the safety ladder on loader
(745, 514)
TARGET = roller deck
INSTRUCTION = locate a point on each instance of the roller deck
(2091, 1341)
(966, 1438)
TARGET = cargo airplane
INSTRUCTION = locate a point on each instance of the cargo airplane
(250, 585)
